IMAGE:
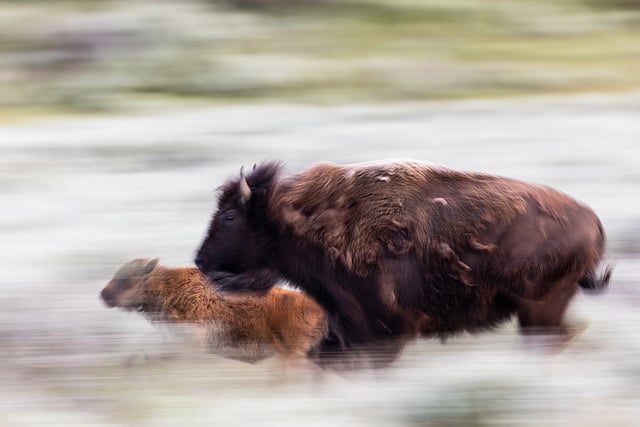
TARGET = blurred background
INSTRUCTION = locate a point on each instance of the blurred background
(119, 119)
(106, 56)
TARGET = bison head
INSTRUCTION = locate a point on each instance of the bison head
(235, 253)
(126, 289)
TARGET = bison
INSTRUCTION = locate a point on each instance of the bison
(243, 327)
(400, 249)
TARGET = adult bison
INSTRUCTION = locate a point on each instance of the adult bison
(399, 249)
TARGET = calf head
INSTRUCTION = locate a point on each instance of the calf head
(126, 288)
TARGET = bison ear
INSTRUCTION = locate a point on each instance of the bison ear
(243, 186)
(151, 265)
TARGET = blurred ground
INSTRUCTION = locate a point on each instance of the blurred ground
(81, 196)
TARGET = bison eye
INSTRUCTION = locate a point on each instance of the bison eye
(229, 218)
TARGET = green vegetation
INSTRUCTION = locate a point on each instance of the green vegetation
(116, 55)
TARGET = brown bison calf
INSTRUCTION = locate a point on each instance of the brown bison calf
(244, 327)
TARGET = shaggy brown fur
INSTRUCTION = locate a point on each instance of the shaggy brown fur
(398, 249)
(362, 215)
(244, 327)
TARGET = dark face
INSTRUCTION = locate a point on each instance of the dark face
(126, 288)
(232, 244)
(123, 292)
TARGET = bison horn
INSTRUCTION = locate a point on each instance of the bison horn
(245, 191)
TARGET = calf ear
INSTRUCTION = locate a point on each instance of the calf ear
(150, 266)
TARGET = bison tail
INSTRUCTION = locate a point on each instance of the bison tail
(594, 281)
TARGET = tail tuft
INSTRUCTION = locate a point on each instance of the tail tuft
(595, 282)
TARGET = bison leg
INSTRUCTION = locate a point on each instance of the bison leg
(546, 315)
